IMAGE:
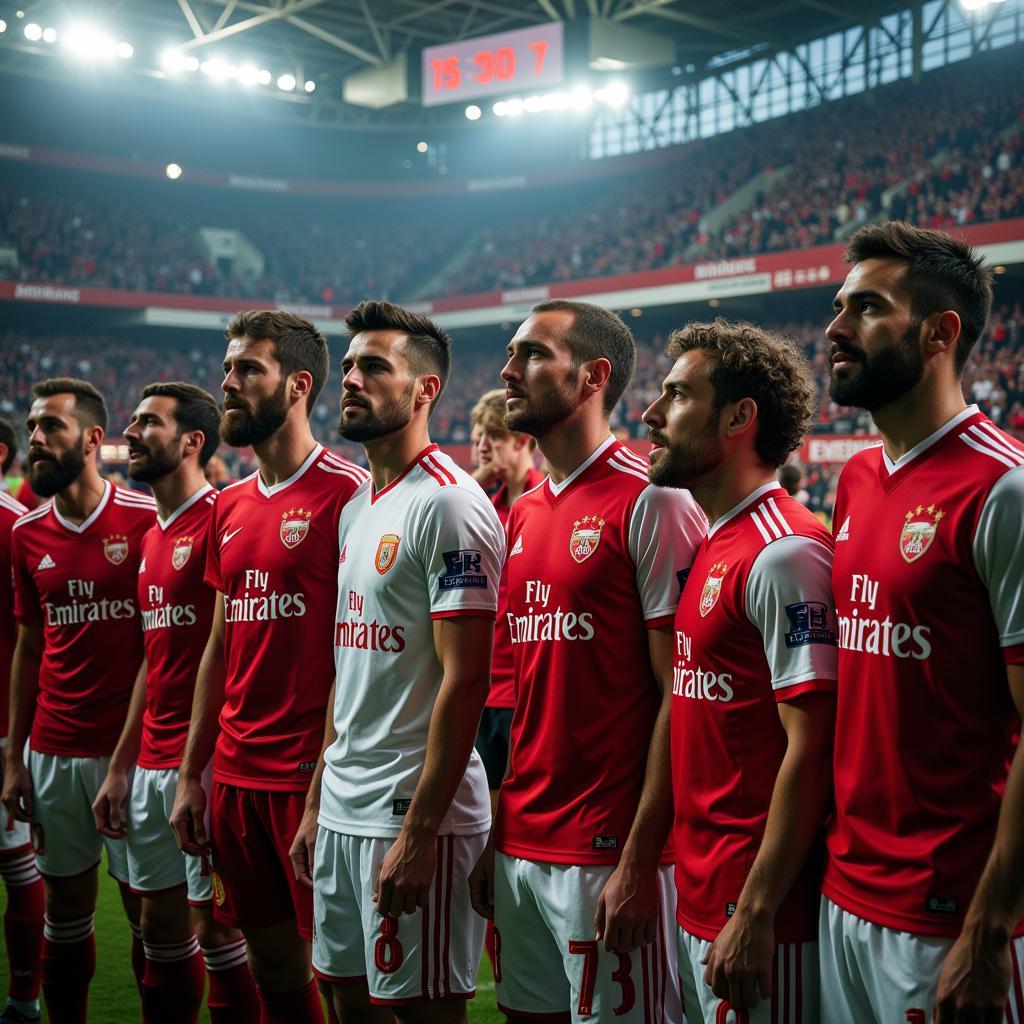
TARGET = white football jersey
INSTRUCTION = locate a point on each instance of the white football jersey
(427, 546)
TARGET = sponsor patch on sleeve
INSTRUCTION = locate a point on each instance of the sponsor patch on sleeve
(808, 624)
(462, 571)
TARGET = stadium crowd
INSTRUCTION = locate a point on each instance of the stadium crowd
(837, 170)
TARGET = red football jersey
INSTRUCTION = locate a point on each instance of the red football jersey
(273, 553)
(755, 625)
(927, 578)
(503, 676)
(593, 563)
(176, 605)
(10, 510)
(76, 582)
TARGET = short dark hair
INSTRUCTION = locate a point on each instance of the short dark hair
(597, 333)
(90, 405)
(943, 272)
(428, 349)
(298, 344)
(750, 362)
(9, 438)
(196, 409)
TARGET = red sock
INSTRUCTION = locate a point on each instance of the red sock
(69, 962)
(232, 996)
(23, 924)
(172, 987)
(296, 1006)
(138, 955)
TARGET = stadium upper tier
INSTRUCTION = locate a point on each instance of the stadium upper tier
(945, 152)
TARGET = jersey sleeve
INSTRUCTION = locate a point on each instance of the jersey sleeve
(462, 548)
(212, 574)
(665, 529)
(999, 560)
(789, 601)
(27, 607)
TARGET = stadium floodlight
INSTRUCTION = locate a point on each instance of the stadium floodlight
(310, 86)
(33, 32)
(614, 94)
(500, 109)
(172, 60)
(422, 147)
(473, 112)
(515, 108)
(216, 69)
(192, 64)
(3, 26)
(581, 97)
(248, 74)
(978, 5)
(49, 35)
(173, 171)
(89, 43)
(286, 83)
(264, 77)
(125, 51)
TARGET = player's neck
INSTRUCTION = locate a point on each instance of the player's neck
(571, 443)
(281, 455)
(391, 455)
(173, 490)
(719, 495)
(78, 500)
(515, 481)
(906, 422)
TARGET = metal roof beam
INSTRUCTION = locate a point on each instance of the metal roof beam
(269, 14)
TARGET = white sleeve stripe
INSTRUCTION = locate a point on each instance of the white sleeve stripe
(629, 472)
(630, 456)
(982, 431)
(354, 477)
(1011, 463)
(780, 518)
(761, 529)
(769, 521)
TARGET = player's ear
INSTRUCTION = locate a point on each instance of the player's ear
(596, 374)
(430, 388)
(942, 332)
(92, 438)
(301, 385)
(739, 417)
(194, 441)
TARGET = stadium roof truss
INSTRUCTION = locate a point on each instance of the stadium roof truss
(323, 41)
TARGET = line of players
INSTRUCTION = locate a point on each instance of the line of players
(691, 654)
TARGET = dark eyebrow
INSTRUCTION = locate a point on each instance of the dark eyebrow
(528, 341)
(859, 296)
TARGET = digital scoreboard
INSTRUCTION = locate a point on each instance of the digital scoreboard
(523, 60)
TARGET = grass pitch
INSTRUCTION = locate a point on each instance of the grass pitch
(114, 999)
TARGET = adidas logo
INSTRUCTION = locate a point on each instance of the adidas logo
(46, 562)
(142, 566)
(517, 548)
(844, 532)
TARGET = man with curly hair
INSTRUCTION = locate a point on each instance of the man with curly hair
(754, 680)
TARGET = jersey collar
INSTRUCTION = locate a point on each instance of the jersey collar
(922, 446)
(93, 516)
(183, 507)
(374, 495)
(749, 500)
(269, 492)
(557, 489)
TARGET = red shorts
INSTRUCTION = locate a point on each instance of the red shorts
(253, 882)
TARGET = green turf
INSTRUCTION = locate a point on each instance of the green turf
(113, 998)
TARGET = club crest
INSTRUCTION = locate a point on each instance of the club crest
(181, 551)
(712, 588)
(387, 552)
(294, 527)
(115, 548)
(919, 528)
(586, 535)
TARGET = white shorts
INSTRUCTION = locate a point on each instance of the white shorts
(14, 835)
(432, 954)
(875, 974)
(549, 961)
(63, 829)
(795, 991)
(154, 861)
